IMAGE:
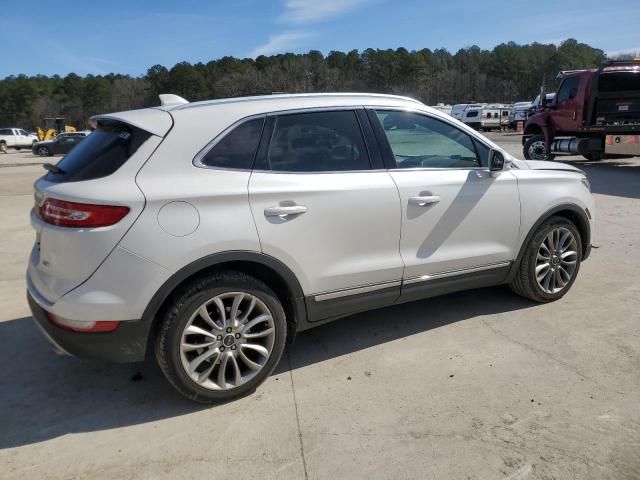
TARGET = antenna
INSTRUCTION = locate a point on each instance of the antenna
(167, 99)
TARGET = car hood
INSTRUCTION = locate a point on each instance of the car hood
(543, 165)
(45, 142)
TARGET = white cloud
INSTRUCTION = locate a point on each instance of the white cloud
(308, 11)
(280, 42)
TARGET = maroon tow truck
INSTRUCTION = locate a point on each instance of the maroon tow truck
(595, 113)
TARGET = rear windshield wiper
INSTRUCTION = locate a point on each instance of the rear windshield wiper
(53, 169)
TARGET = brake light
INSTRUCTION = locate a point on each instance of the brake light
(79, 215)
(83, 327)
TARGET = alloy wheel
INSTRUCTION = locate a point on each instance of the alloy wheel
(556, 260)
(227, 341)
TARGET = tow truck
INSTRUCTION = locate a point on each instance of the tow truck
(596, 112)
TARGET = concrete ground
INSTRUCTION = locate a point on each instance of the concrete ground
(474, 385)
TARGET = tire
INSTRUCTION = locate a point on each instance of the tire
(174, 344)
(527, 284)
(3, 147)
(593, 156)
(43, 152)
(535, 149)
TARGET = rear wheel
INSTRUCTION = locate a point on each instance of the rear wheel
(535, 148)
(221, 338)
(3, 147)
(550, 263)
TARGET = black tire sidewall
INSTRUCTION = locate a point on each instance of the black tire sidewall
(180, 316)
(532, 253)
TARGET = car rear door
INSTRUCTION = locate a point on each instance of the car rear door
(457, 219)
(324, 206)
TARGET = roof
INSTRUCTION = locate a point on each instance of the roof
(207, 114)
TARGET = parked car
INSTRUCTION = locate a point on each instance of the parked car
(210, 233)
(61, 144)
(16, 138)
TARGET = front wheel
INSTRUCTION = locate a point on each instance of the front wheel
(535, 148)
(221, 338)
(43, 152)
(550, 262)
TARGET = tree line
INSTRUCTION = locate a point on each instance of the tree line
(508, 73)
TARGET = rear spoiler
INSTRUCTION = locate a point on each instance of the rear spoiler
(153, 120)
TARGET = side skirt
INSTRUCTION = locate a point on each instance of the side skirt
(322, 311)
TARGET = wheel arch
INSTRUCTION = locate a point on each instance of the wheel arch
(571, 212)
(268, 269)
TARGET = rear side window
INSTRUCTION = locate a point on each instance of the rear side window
(100, 154)
(318, 142)
(237, 148)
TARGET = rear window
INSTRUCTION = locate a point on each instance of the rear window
(619, 81)
(100, 154)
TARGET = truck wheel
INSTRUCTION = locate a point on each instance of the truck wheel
(43, 152)
(593, 156)
(535, 149)
(3, 147)
(221, 337)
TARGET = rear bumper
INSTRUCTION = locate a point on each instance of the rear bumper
(128, 343)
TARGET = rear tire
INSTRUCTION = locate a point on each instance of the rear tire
(245, 342)
(535, 148)
(3, 147)
(556, 244)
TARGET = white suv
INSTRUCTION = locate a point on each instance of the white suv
(211, 232)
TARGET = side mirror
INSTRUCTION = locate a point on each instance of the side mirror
(496, 161)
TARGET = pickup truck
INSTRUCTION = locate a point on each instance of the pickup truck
(16, 138)
(595, 112)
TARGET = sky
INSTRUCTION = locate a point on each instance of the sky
(99, 37)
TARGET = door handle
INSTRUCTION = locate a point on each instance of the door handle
(424, 201)
(284, 211)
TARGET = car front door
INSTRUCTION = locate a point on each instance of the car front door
(324, 210)
(458, 219)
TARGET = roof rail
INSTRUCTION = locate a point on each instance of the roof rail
(167, 99)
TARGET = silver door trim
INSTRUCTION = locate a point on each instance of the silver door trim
(452, 273)
(355, 291)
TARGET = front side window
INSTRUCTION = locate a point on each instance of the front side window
(318, 142)
(569, 84)
(472, 113)
(419, 141)
(237, 148)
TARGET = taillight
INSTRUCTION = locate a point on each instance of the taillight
(83, 327)
(79, 215)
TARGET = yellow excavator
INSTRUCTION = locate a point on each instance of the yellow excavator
(52, 127)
